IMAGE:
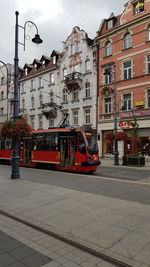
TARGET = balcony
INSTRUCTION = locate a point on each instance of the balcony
(72, 80)
(49, 110)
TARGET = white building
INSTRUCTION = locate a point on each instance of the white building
(6, 92)
(63, 83)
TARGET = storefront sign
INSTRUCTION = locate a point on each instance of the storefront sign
(134, 113)
(125, 124)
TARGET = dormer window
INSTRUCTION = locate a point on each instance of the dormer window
(35, 66)
(110, 23)
(43, 64)
(26, 71)
(54, 59)
(138, 7)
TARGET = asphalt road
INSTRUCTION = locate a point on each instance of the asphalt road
(118, 182)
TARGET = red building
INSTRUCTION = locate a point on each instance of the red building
(124, 52)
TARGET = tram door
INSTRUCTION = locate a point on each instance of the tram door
(67, 155)
(27, 148)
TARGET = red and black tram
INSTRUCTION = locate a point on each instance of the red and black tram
(64, 149)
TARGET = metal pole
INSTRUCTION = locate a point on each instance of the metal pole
(116, 153)
(15, 142)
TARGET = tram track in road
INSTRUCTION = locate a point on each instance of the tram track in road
(80, 246)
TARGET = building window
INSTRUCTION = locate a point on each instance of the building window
(75, 117)
(41, 82)
(77, 47)
(11, 107)
(43, 64)
(51, 78)
(107, 105)
(87, 65)
(87, 90)
(109, 24)
(148, 98)
(32, 84)
(2, 111)
(127, 41)
(108, 49)
(23, 104)
(127, 101)
(75, 94)
(32, 102)
(2, 80)
(148, 33)
(127, 70)
(148, 64)
(87, 116)
(138, 7)
(73, 49)
(26, 71)
(51, 122)
(51, 97)
(40, 122)
(108, 75)
(54, 59)
(41, 100)
(33, 122)
(2, 95)
(35, 67)
(65, 94)
(23, 87)
(64, 73)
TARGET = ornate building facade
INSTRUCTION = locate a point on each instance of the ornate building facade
(124, 49)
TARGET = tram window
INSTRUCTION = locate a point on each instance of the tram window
(47, 142)
(81, 144)
(7, 144)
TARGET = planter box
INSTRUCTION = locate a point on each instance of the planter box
(136, 161)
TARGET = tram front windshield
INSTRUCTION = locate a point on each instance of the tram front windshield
(91, 143)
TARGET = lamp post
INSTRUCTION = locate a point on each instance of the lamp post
(109, 71)
(15, 142)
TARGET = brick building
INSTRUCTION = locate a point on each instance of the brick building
(124, 50)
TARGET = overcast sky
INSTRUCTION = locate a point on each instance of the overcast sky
(54, 19)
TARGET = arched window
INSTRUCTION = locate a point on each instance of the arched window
(127, 41)
(108, 49)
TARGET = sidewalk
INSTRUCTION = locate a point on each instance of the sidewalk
(109, 161)
(117, 228)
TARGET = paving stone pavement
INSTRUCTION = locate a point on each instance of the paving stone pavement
(115, 227)
(23, 246)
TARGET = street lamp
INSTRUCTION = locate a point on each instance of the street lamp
(15, 143)
(109, 71)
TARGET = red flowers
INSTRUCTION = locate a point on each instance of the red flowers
(18, 129)
(120, 136)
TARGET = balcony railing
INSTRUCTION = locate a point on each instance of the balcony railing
(74, 78)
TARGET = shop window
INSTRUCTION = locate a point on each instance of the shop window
(138, 7)
(127, 70)
(127, 101)
(108, 49)
(127, 41)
